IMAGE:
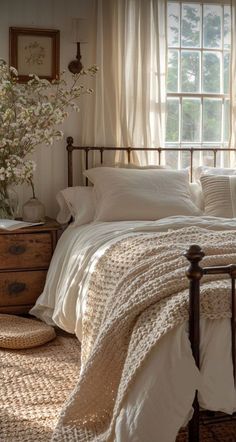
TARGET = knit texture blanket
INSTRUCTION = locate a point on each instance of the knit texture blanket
(137, 292)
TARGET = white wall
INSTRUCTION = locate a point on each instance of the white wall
(51, 174)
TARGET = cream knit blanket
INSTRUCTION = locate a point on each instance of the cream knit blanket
(138, 292)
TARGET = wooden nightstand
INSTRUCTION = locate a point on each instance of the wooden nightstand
(25, 255)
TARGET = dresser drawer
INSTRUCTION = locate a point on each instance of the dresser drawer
(19, 288)
(21, 251)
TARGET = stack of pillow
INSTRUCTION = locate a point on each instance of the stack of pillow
(120, 194)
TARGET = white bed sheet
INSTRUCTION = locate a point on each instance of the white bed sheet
(159, 402)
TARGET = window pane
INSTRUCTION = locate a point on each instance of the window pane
(191, 119)
(226, 72)
(190, 30)
(190, 71)
(172, 159)
(208, 157)
(211, 72)
(172, 125)
(227, 27)
(198, 82)
(172, 81)
(212, 17)
(185, 158)
(173, 24)
(212, 110)
(226, 120)
(226, 160)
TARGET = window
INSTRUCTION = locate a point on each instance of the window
(199, 36)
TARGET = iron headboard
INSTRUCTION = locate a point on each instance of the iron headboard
(87, 149)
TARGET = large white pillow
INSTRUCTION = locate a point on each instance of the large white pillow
(128, 194)
(136, 166)
(76, 202)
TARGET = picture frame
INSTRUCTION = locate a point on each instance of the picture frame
(34, 51)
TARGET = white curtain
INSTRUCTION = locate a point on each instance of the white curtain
(232, 140)
(128, 41)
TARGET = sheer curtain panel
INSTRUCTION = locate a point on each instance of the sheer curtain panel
(129, 47)
(232, 141)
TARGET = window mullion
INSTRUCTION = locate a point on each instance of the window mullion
(201, 90)
(180, 119)
(201, 95)
(201, 51)
(180, 78)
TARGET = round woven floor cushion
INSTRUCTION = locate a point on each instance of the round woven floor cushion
(17, 332)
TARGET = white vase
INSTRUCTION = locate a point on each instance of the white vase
(33, 211)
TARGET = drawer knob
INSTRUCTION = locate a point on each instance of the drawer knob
(17, 250)
(16, 287)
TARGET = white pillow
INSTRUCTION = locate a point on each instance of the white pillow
(77, 202)
(135, 166)
(197, 195)
(206, 170)
(129, 194)
(219, 195)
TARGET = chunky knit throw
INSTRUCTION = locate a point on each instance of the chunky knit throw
(138, 292)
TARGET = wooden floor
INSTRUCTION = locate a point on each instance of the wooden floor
(222, 431)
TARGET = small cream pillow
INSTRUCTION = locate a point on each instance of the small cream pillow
(76, 202)
(207, 170)
(219, 195)
(129, 194)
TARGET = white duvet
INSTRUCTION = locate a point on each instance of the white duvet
(159, 402)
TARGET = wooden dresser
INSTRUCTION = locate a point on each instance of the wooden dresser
(25, 255)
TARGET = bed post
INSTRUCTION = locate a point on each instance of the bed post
(70, 149)
(194, 274)
(233, 319)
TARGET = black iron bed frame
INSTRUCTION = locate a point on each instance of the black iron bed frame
(194, 273)
(194, 255)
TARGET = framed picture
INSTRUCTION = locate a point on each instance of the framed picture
(35, 51)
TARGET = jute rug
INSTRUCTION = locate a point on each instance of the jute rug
(34, 385)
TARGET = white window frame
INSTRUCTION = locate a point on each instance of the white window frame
(201, 96)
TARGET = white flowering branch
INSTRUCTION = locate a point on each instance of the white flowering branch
(29, 116)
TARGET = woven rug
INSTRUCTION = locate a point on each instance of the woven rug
(35, 384)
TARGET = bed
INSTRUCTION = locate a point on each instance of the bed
(120, 286)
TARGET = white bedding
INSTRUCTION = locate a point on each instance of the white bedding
(160, 401)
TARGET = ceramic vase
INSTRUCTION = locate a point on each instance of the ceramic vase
(33, 211)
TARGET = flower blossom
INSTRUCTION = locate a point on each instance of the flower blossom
(29, 116)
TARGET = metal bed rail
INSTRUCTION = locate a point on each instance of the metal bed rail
(194, 273)
(87, 149)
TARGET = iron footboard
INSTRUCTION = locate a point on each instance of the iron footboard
(194, 274)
